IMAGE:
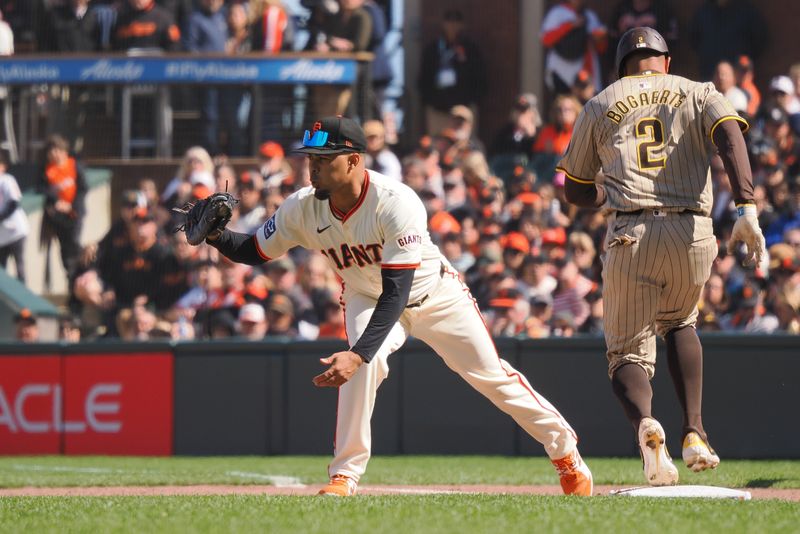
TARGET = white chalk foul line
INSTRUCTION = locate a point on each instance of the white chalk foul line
(412, 491)
(63, 469)
(279, 481)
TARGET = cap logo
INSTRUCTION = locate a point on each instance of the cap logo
(348, 143)
(641, 39)
(317, 126)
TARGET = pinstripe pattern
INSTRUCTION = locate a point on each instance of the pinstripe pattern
(650, 136)
(652, 285)
(605, 136)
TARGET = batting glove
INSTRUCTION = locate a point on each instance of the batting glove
(747, 231)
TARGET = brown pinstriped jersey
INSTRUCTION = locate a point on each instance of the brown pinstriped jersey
(650, 136)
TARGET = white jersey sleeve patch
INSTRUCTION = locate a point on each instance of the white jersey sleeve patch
(278, 234)
(404, 225)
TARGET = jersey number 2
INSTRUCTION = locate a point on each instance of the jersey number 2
(649, 140)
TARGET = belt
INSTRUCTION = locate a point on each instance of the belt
(423, 299)
(655, 211)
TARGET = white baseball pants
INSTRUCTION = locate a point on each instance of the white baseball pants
(449, 322)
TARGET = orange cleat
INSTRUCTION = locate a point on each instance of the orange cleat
(576, 479)
(340, 486)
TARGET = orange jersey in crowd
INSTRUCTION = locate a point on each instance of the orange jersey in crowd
(552, 141)
(63, 179)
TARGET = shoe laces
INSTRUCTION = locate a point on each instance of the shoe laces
(340, 478)
(567, 465)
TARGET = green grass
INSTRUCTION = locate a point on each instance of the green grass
(16, 471)
(416, 514)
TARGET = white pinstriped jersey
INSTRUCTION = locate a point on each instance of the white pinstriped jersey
(387, 228)
(651, 136)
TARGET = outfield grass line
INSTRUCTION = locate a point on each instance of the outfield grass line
(279, 481)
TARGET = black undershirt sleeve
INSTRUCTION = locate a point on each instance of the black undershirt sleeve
(239, 247)
(11, 207)
(391, 303)
(732, 149)
(584, 195)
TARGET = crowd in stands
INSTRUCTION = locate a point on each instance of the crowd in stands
(497, 211)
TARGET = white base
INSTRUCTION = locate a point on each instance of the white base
(706, 492)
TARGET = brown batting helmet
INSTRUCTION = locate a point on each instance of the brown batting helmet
(635, 39)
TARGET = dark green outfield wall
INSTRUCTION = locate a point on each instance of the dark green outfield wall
(257, 398)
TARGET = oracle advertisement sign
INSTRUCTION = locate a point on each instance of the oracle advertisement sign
(92, 404)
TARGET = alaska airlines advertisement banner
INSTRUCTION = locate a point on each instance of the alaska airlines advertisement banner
(166, 70)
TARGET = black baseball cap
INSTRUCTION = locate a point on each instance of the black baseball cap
(334, 135)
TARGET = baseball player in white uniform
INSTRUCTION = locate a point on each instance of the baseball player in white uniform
(373, 231)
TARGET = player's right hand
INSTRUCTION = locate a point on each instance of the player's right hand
(747, 231)
(343, 365)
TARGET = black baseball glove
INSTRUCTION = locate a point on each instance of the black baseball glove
(206, 217)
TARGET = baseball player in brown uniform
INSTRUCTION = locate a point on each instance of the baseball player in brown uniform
(641, 150)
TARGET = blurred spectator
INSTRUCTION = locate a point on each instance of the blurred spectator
(580, 248)
(656, 14)
(69, 330)
(714, 303)
(724, 30)
(783, 94)
(725, 82)
(250, 213)
(70, 27)
(280, 316)
(751, 315)
(64, 186)
(347, 30)
(178, 191)
(225, 177)
(554, 137)
(380, 68)
(273, 165)
(745, 80)
(570, 292)
(236, 101)
(6, 38)
(252, 322)
(508, 312)
(563, 324)
(14, 226)
(453, 249)
(271, 29)
(379, 156)
(332, 325)
(180, 10)
(118, 236)
(222, 325)
(538, 324)
(143, 24)
(584, 87)
(207, 33)
(27, 329)
(516, 138)
(535, 278)
(94, 304)
(452, 72)
(21, 17)
(143, 267)
(515, 248)
(574, 36)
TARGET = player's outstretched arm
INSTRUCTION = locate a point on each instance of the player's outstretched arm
(236, 246)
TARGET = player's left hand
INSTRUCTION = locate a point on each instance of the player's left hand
(747, 231)
(343, 365)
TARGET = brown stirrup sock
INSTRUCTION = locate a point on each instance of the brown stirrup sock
(632, 387)
(685, 359)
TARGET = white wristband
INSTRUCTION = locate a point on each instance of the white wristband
(747, 209)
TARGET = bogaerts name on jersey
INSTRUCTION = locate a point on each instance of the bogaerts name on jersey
(646, 98)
